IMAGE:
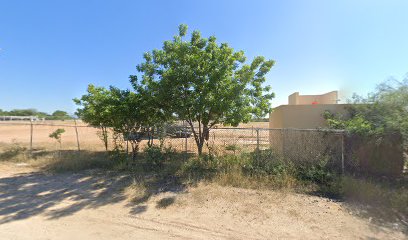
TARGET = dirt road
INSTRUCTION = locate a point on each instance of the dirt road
(34, 205)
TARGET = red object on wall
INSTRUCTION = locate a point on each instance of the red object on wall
(314, 103)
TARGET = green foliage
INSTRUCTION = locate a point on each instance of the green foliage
(356, 124)
(317, 172)
(259, 164)
(199, 80)
(95, 108)
(200, 167)
(266, 162)
(154, 158)
(21, 112)
(59, 115)
(383, 111)
(232, 147)
(57, 134)
(123, 111)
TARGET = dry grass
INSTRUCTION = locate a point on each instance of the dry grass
(136, 191)
(387, 198)
(56, 161)
(72, 161)
(237, 178)
(89, 140)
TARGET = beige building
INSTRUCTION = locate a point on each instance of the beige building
(306, 111)
(327, 98)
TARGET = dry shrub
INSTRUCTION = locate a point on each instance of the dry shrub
(246, 171)
(137, 191)
(13, 152)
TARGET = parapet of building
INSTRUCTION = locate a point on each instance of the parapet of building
(327, 98)
(306, 111)
(304, 116)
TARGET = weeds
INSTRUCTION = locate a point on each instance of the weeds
(71, 161)
(259, 169)
(14, 152)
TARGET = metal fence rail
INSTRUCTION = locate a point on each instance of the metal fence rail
(296, 145)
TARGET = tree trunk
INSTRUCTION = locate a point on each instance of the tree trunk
(200, 137)
(200, 148)
(135, 149)
(105, 137)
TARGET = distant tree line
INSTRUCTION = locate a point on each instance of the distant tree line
(56, 115)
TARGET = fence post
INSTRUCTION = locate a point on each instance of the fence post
(257, 144)
(31, 137)
(342, 153)
(257, 139)
(127, 149)
(77, 137)
(185, 140)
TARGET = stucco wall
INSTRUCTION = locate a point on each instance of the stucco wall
(327, 98)
(303, 116)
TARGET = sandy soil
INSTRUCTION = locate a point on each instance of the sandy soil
(90, 205)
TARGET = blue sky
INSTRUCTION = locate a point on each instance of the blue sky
(51, 50)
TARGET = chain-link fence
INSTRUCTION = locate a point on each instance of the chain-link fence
(296, 145)
(343, 152)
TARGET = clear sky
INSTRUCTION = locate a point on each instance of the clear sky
(51, 50)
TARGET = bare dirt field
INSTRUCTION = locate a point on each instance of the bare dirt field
(98, 205)
(20, 133)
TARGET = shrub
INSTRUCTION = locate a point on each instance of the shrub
(233, 148)
(200, 167)
(316, 172)
(154, 158)
(266, 162)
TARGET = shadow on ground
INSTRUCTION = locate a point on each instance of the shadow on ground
(375, 210)
(58, 195)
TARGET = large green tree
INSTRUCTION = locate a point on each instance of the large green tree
(205, 83)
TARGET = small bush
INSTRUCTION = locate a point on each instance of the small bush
(316, 172)
(245, 170)
(154, 158)
(199, 167)
(266, 162)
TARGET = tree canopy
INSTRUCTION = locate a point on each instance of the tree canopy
(205, 83)
(59, 115)
(195, 80)
(383, 111)
(125, 112)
